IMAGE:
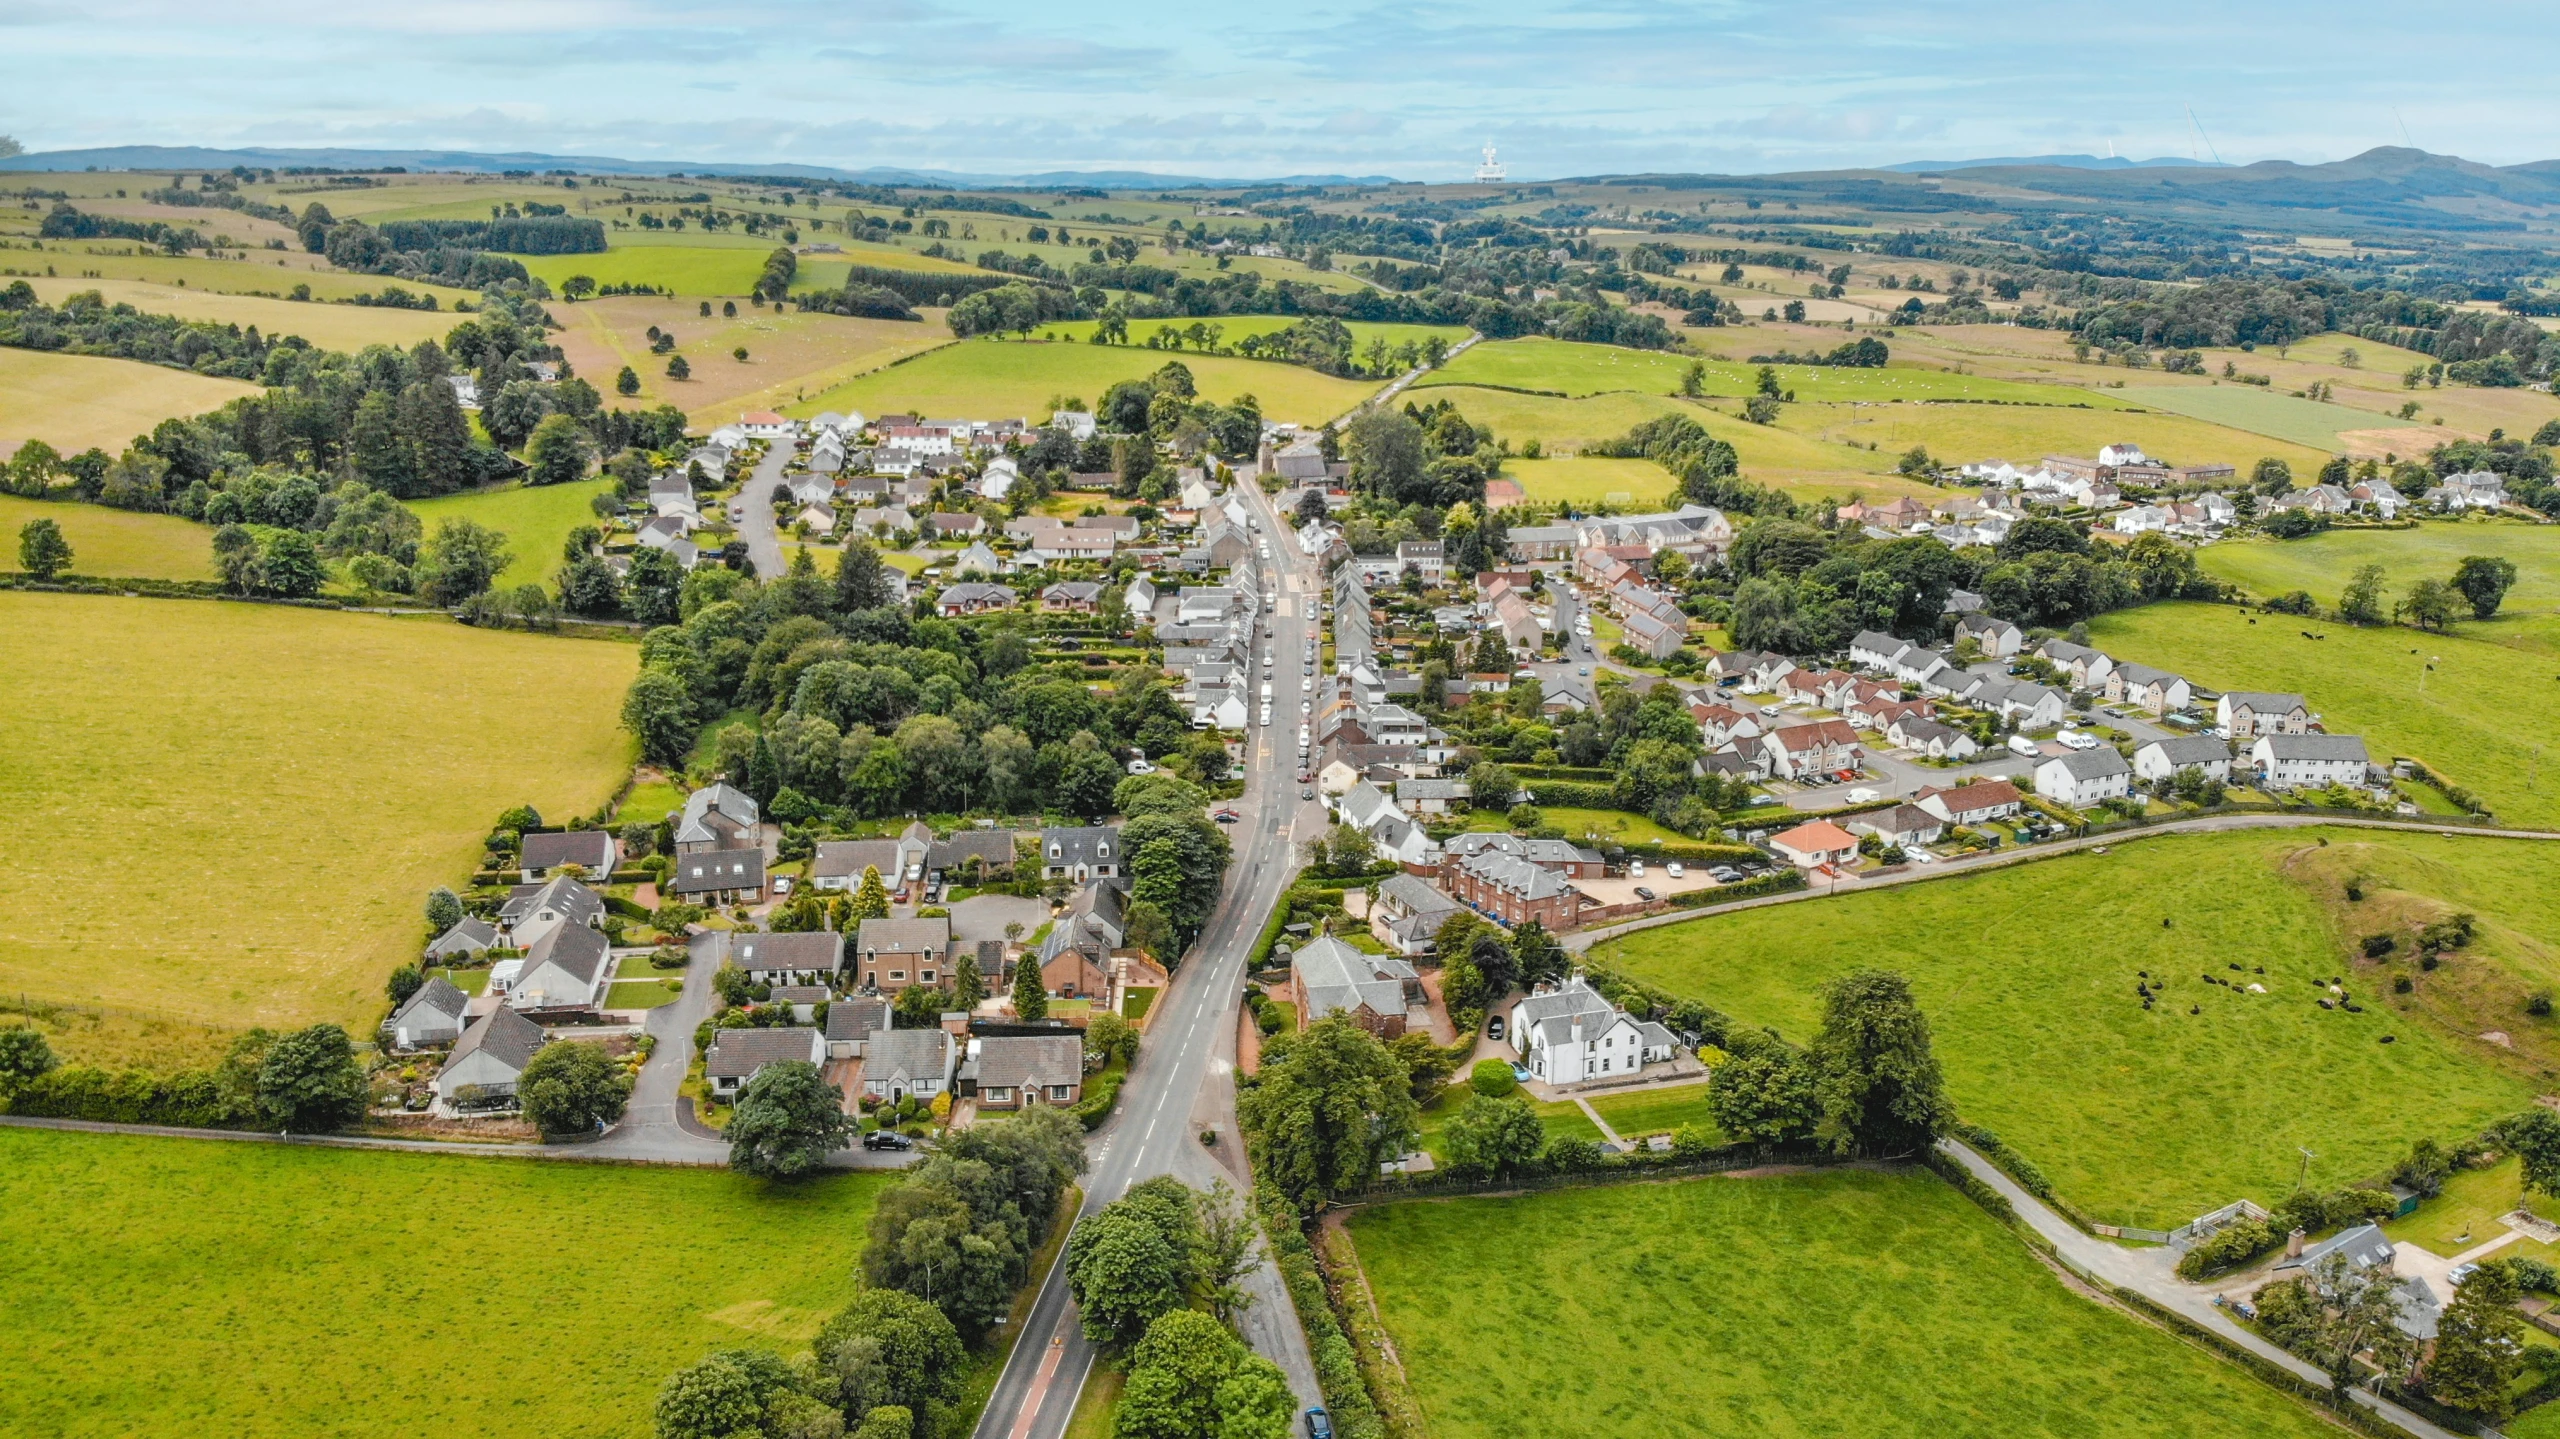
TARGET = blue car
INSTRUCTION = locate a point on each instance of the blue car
(1319, 1424)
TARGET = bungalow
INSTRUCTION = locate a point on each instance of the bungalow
(667, 533)
(563, 974)
(719, 876)
(716, 817)
(533, 911)
(851, 1023)
(890, 954)
(1376, 990)
(1081, 853)
(431, 1018)
(2084, 777)
(2163, 758)
(1815, 844)
(739, 1055)
(1571, 1035)
(2253, 712)
(898, 1063)
(789, 957)
(1995, 637)
(1406, 914)
(1984, 799)
(2144, 687)
(470, 935)
(1933, 739)
(840, 863)
(2310, 761)
(482, 1070)
(975, 599)
(592, 850)
(1081, 597)
(1016, 1071)
(1812, 748)
(973, 853)
(1904, 824)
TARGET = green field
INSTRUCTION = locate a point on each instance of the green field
(1957, 434)
(1588, 481)
(2481, 720)
(269, 275)
(72, 402)
(993, 378)
(113, 542)
(232, 812)
(1234, 328)
(1583, 369)
(331, 327)
(311, 1292)
(1561, 1118)
(1616, 826)
(692, 270)
(2151, 1117)
(2322, 564)
(2264, 412)
(1847, 1302)
(535, 519)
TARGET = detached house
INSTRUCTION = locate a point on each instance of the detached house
(1017, 1071)
(1996, 637)
(739, 1055)
(481, 1072)
(1080, 854)
(1407, 914)
(562, 975)
(2154, 690)
(1330, 977)
(593, 850)
(811, 957)
(719, 817)
(1976, 803)
(1815, 844)
(890, 954)
(1571, 1035)
(2087, 668)
(897, 1063)
(719, 876)
(431, 1018)
(533, 911)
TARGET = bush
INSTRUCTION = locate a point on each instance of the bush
(2378, 945)
(2528, 1273)
(2234, 1246)
(1492, 1078)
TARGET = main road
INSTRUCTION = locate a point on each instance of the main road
(1184, 1080)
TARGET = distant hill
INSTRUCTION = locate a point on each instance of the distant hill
(2067, 162)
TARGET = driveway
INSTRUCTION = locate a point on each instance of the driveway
(764, 543)
(984, 916)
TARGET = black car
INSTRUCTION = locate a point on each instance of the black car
(887, 1139)
(1319, 1424)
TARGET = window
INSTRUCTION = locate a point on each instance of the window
(897, 976)
(926, 976)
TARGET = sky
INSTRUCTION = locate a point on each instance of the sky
(1228, 89)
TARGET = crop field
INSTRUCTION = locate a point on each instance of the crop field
(114, 542)
(2310, 423)
(703, 268)
(2150, 1117)
(331, 327)
(1234, 328)
(293, 1292)
(1584, 369)
(536, 519)
(996, 378)
(789, 353)
(1840, 1302)
(1961, 433)
(1806, 466)
(72, 402)
(2480, 719)
(232, 812)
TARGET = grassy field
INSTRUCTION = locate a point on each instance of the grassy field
(456, 1295)
(2322, 564)
(72, 402)
(270, 274)
(2151, 1117)
(1957, 434)
(1582, 369)
(1234, 328)
(1610, 824)
(1845, 1302)
(993, 378)
(2263, 412)
(789, 353)
(114, 542)
(692, 270)
(232, 812)
(535, 519)
(2471, 723)
(1587, 481)
(331, 327)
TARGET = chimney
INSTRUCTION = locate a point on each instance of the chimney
(2293, 1245)
(1577, 1029)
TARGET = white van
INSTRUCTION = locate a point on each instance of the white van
(2024, 747)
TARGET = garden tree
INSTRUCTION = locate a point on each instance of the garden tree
(788, 1121)
(1132, 1261)
(862, 578)
(1109, 1038)
(569, 1087)
(1495, 1136)
(2271, 477)
(870, 898)
(2357, 1310)
(1493, 1078)
(2481, 579)
(1342, 851)
(2431, 604)
(309, 1082)
(459, 560)
(920, 1006)
(443, 909)
(889, 1349)
(1311, 507)
(1030, 999)
(1491, 954)
(1328, 1106)
(1177, 861)
(1540, 958)
(2534, 1136)
(1877, 1089)
(1490, 786)
(2361, 602)
(652, 590)
(959, 1230)
(659, 714)
(1764, 1096)
(42, 551)
(25, 1057)
(2479, 1345)
(968, 986)
(558, 451)
(1145, 927)
(1190, 1377)
(404, 982)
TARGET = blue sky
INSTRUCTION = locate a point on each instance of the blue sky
(1225, 88)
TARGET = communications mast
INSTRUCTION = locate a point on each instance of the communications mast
(1490, 172)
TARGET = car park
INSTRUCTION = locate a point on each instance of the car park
(1645, 894)
(1674, 870)
(1725, 874)
(1635, 869)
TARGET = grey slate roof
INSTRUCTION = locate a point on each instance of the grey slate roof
(904, 936)
(571, 900)
(1518, 876)
(848, 858)
(995, 845)
(590, 847)
(574, 949)
(503, 1035)
(436, 996)
(739, 1053)
(2364, 1246)
(811, 949)
(914, 1052)
(469, 936)
(716, 869)
(2183, 750)
(2315, 747)
(1337, 977)
(1086, 845)
(1013, 1061)
(855, 1019)
(2092, 763)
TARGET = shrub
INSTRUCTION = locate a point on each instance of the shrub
(2233, 1247)
(2539, 1005)
(2528, 1273)
(2378, 945)
(1492, 1078)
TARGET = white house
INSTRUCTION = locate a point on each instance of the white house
(533, 911)
(2147, 688)
(562, 974)
(433, 1016)
(2087, 667)
(897, 1063)
(1984, 799)
(2255, 712)
(766, 425)
(2310, 761)
(1571, 1035)
(2163, 758)
(486, 1062)
(1996, 637)
(2084, 777)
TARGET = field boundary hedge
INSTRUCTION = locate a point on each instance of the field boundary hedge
(1337, 1366)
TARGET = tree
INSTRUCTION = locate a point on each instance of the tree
(1329, 1105)
(2479, 1345)
(715, 1397)
(25, 1057)
(2360, 1311)
(1495, 1136)
(42, 551)
(572, 1088)
(628, 382)
(405, 981)
(2430, 604)
(968, 986)
(460, 560)
(904, 1353)
(289, 565)
(2271, 477)
(1876, 1085)
(788, 1121)
(1190, 1378)
(1764, 1097)
(659, 713)
(678, 369)
(870, 898)
(2481, 579)
(862, 578)
(1030, 997)
(2534, 1135)
(558, 452)
(1130, 1263)
(2361, 602)
(309, 1082)
(444, 909)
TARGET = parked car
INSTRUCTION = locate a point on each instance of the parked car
(1674, 870)
(2460, 1272)
(1635, 869)
(1226, 816)
(1724, 874)
(782, 884)
(1644, 893)
(2077, 739)
(1493, 1027)
(2021, 745)
(1319, 1424)
(887, 1139)
(1306, 793)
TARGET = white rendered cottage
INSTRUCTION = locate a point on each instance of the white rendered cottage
(1573, 1036)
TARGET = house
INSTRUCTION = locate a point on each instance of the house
(482, 1070)
(429, 1019)
(1904, 824)
(1540, 542)
(1407, 914)
(890, 954)
(1876, 650)
(1015, 1071)
(766, 425)
(718, 876)
(1520, 628)
(2252, 712)
(1075, 957)
(1822, 688)
(667, 533)
(593, 850)
(2163, 758)
(563, 974)
(1984, 799)
(1510, 889)
(2475, 490)
(897, 1063)
(2087, 667)
(2310, 761)
(974, 853)
(1081, 597)
(2084, 777)
(533, 911)
(1424, 557)
(1433, 796)
(739, 1055)
(1812, 748)
(2154, 690)
(1570, 1035)
(470, 935)
(1720, 725)
(1815, 844)
(717, 817)
(852, 1022)
(786, 958)
(1995, 637)
(839, 864)
(974, 598)
(2365, 1248)
(1330, 977)
(1081, 853)
(1937, 741)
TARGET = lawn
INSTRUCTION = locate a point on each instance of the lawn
(649, 803)
(1843, 1302)
(1654, 1111)
(1135, 1004)
(788, 353)
(1003, 378)
(536, 519)
(2322, 564)
(639, 994)
(114, 542)
(72, 402)
(1561, 1118)
(2151, 1117)
(232, 812)
(2263, 412)
(289, 1292)
(331, 327)
(2466, 1213)
(2470, 722)
(1584, 369)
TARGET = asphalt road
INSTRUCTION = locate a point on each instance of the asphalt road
(764, 542)
(1184, 1080)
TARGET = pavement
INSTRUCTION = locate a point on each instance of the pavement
(764, 542)
(984, 916)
